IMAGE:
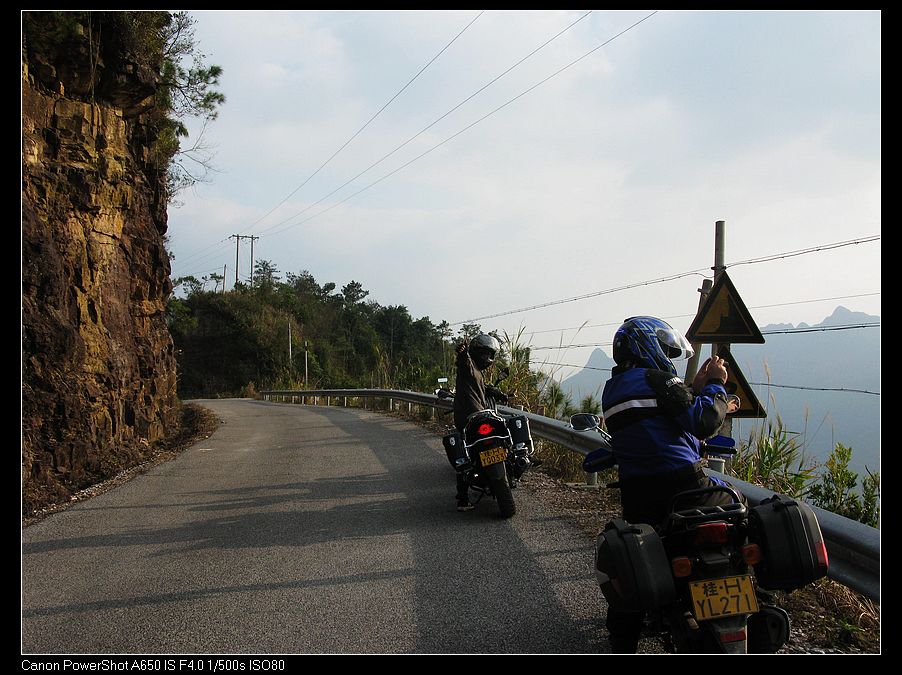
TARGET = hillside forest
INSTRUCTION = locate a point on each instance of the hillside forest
(296, 332)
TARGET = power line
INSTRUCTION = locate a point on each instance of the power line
(683, 316)
(673, 277)
(429, 126)
(466, 128)
(789, 331)
(405, 165)
(751, 261)
(582, 346)
(789, 386)
(357, 133)
(570, 365)
(802, 302)
(757, 384)
(586, 296)
(219, 245)
(815, 249)
(215, 271)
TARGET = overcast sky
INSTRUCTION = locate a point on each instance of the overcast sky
(608, 174)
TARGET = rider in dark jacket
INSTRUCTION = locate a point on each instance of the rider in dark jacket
(657, 423)
(473, 357)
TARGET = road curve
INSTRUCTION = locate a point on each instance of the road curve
(298, 530)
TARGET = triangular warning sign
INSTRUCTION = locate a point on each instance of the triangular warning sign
(724, 317)
(749, 406)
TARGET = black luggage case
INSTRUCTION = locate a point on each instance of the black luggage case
(518, 426)
(456, 452)
(632, 567)
(792, 546)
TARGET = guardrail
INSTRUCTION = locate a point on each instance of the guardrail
(853, 547)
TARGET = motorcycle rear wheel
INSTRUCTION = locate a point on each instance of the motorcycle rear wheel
(502, 491)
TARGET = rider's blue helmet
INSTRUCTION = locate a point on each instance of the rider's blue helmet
(648, 342)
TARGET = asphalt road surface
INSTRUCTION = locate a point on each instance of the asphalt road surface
(297, 530)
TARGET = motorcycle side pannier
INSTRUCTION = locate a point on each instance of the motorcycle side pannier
(632, 567)
(455, 450)
(518, 426)
(793, 549)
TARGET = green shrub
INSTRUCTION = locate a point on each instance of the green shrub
(836, 489)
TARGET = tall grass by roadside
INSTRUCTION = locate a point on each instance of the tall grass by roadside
(774, 458)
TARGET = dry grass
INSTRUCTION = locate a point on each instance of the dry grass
(834, 617)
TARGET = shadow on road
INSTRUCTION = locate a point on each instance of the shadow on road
(452, 582)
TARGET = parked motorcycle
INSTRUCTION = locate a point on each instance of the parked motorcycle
(493, 452)
(703, 576)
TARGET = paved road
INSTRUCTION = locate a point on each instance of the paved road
(298, 529)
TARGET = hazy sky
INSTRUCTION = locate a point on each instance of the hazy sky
(610, 173)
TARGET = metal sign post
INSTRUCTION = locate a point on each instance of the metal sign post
(723, 319)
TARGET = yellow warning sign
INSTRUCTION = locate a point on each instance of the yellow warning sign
(724, 317)
(749, 406)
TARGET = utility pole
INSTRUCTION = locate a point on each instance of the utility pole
(289, 343)
(719, 266)
(238, 238)
(305, 364)
(223, 278)
(692, 365)
(252, 258)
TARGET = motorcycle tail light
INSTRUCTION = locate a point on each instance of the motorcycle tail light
(484, 429)
(711, 533)
(751, 553)
(682, 567)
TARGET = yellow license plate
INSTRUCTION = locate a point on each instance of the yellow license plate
(492, 456)
(714, 598)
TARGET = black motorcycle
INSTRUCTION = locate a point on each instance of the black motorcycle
(493, 452)
(703, 576)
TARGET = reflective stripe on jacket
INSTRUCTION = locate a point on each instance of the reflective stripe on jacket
(656, 422)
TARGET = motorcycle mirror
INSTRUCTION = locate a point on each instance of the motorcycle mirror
(585, 422)
(733, 404)
(443, 393)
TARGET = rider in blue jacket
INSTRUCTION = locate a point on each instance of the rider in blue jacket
(657, 423)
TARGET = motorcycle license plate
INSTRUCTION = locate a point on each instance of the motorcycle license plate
(714, 598)
(492, 456)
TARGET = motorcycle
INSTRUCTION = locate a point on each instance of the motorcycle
(704, 576)
(493, 452)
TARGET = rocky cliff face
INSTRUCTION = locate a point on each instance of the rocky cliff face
(97, 362)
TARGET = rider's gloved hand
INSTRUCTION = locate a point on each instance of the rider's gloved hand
(496, 394)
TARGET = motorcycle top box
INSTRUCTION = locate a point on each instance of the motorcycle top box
(632, 567)
(793, 548)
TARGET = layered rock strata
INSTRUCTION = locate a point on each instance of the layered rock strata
(98, 366)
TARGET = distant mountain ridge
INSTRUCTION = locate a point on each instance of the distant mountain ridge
(821, 361)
